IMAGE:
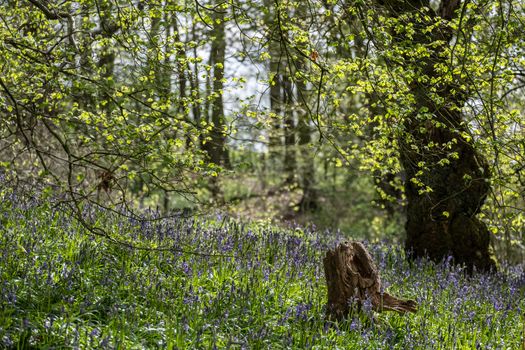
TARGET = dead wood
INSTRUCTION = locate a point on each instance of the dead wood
(352, 277)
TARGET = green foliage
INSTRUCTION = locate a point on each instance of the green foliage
(119, 102)
(89, 101)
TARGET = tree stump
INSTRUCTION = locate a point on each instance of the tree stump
(352, 278)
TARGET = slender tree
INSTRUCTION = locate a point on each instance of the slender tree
(216, 146)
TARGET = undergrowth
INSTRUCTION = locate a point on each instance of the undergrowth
(252, 287)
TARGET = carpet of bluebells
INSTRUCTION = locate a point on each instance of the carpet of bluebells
(262, 288)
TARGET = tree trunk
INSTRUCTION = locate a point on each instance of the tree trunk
(309, 201)
(195, 92)
(275, 141)
(289, 128)
(106, 62)
(216, 147)
(276, 86)
(441, 221)
(352, 278)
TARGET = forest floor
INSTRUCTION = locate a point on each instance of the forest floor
(218, 283)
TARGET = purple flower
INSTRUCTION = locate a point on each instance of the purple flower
(94, 333)
(8, 342)
(301, 311)
(105, 342)
(186, 268)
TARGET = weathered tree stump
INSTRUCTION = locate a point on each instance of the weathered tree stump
(352, 278)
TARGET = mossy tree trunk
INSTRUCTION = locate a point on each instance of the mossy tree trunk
(447, 179)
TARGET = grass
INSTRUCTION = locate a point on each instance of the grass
(62, 288)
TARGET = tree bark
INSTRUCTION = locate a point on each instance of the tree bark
(289, 127)
(275, 142)
(352, 278)
(309, 200)
(441, 221)
(275, 67)
(216, 147)
(106, 62)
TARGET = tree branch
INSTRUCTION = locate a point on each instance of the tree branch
(53, 15)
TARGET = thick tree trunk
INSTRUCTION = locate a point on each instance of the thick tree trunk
(352, 278)
(442, 220)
